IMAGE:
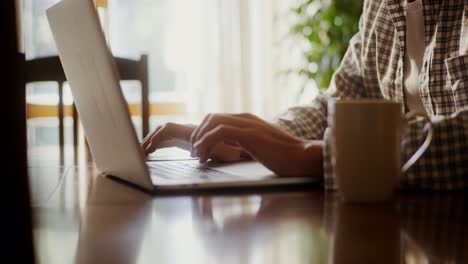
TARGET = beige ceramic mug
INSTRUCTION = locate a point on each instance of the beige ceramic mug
(365, 147)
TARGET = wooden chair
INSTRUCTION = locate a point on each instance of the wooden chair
(137, 70)
(50, 69)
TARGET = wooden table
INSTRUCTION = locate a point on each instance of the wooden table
(83, 217)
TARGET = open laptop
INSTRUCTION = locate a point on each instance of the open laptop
(94, 81)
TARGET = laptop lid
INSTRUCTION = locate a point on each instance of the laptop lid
(94, 80)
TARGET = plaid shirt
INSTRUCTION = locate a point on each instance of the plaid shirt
(373, 68)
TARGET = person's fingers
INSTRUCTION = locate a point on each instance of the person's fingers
(182, 144)
(166, 132)
(243, 121)
(224, 119)
(194, 134)
(202, 127)
(166, 144)
(222, 152)
(272, 129)
(147, 139)
(160, 135)
(211, 119)
(249, 116)
(222, 132)
(231, 143)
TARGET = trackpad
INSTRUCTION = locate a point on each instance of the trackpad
(245, 169)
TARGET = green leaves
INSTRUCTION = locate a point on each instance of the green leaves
(327, 25)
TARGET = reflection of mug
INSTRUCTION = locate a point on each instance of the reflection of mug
(366, 150)
(366, 234)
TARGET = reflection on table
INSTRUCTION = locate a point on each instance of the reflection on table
(91, 219)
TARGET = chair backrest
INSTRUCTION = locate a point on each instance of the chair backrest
(43, 69)
(50, 69)
(137, 70)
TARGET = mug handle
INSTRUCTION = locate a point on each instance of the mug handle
(426, 143)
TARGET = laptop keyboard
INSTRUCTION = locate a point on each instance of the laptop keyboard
(179, 170)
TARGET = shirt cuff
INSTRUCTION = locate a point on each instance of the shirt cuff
(328, 174)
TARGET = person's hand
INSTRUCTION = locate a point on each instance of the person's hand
(283, 153)
(178, 135)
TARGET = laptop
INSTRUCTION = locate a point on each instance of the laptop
(94, 80)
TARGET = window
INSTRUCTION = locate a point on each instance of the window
(206, 55)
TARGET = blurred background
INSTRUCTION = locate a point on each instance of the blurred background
(203, 56)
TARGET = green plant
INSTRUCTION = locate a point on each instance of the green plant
(326, 26)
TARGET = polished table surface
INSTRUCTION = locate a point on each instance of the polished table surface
(83, 217)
